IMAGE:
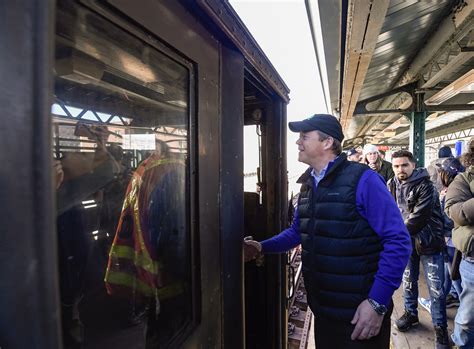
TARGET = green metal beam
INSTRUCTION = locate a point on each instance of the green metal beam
(417, 136)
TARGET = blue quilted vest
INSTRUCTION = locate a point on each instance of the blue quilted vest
(340, 250)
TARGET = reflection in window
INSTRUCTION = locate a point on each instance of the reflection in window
(120, 142)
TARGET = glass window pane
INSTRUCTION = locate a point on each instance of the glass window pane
(120, 141)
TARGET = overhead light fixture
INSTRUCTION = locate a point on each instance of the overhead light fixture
(464, 84)
(136, 68)
(79, 67)
(388, 134)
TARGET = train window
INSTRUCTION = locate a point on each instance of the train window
(121, 146)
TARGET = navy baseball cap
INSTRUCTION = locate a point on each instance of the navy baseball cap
(351, 152)
(452, 166)
(319, 122)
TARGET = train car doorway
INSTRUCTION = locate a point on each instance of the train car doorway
(265, 194)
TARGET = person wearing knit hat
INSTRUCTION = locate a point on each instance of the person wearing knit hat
(370, 149)
(343, 207)
(372, 158)
(445, 152)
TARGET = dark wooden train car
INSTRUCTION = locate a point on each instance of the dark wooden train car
(122, 159)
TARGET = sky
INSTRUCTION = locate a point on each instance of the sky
(282, 30)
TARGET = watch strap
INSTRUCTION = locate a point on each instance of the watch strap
(379, 308)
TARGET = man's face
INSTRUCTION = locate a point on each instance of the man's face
(372, 157)
(310, 147)
(403, 168)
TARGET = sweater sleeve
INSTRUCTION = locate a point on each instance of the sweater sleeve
(375, 203)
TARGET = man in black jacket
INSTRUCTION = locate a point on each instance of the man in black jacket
(418, 202)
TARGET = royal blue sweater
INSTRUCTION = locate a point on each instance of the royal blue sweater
(375, 204)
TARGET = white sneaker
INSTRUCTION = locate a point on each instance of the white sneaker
(425, 303)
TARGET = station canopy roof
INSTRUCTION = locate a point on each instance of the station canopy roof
(383, 59)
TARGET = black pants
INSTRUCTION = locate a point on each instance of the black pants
(331, 334)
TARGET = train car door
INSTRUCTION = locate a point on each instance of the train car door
(127, 98)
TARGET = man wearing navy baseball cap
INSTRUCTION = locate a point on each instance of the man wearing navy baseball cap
(353, 155)
(355, 244)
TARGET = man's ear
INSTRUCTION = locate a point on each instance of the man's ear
(328, 142)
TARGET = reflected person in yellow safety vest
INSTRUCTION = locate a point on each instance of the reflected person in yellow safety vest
(146, 263)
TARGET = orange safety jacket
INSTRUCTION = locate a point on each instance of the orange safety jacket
(134, 270)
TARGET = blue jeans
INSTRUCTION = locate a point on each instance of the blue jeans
(463, 335)
(433, 266)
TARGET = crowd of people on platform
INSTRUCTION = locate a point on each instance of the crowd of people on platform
(360, 241)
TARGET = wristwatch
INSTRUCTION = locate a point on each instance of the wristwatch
(379, 308)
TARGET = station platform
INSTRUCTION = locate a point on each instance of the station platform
(421, 336)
